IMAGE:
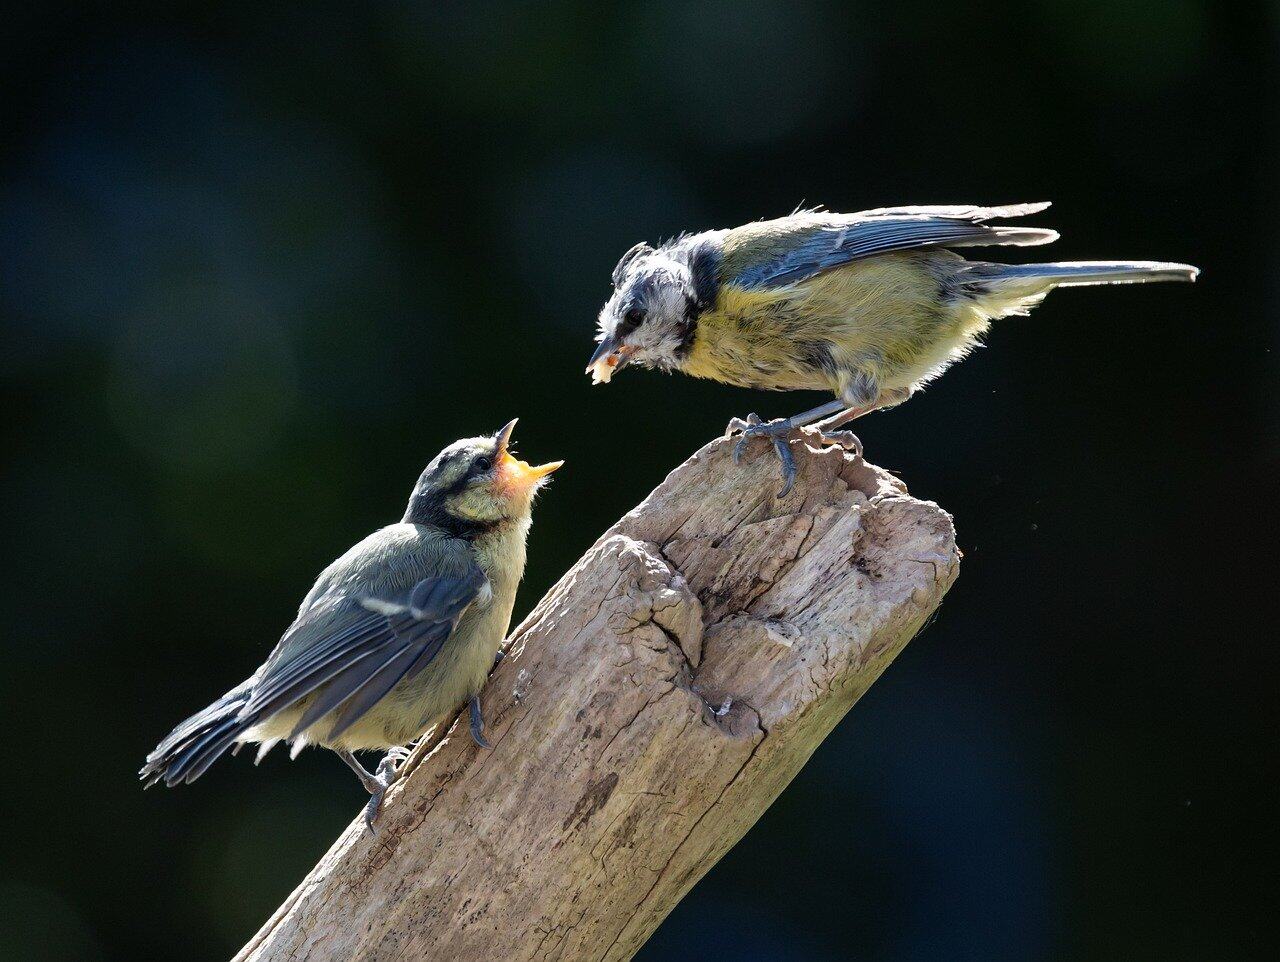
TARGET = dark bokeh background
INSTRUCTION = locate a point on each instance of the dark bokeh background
(260, 263)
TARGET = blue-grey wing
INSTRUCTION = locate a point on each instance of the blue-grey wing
(792, 249)
(349, 658)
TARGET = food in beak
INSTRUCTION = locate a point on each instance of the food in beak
(607, 360)
(602, 370)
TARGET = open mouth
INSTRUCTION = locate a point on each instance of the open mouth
(517, 474)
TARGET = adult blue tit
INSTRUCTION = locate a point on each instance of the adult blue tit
(393, 636)
(869, 306)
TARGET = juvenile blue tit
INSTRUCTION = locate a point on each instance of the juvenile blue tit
(393, 636)
(869, 306)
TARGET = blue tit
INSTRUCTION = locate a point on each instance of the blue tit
(393, 636)
(868, 306)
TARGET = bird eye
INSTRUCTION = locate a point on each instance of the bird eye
(633, 317)
(481, 463)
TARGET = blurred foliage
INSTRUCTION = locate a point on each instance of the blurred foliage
(259, 262)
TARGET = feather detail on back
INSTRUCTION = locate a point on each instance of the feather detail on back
(791, 249)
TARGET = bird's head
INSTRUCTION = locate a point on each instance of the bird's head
(477, 483)
(650, 318)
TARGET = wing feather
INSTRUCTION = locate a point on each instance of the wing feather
(361, 653)
(375, 688)
(792, 249)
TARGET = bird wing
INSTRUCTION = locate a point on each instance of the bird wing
(791, 249)
(351, 653)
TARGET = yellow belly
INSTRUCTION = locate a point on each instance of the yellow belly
(886, 317)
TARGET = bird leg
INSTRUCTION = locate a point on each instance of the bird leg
(777, 430)
(826, 417)
(477, 723)
(888, 398)
(846, 439)
(376, 784)
(367, 779)
(477, 716)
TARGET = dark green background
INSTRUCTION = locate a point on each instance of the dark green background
(260, 263)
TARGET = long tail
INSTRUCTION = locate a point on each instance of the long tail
(198, 742)
(1003, 289)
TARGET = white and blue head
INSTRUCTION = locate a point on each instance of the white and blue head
(652, 315)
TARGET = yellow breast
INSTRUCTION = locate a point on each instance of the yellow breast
(877, 315)
(749, 338)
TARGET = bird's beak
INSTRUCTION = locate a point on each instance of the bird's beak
(609, 358)
(514, 472)
(503, 437)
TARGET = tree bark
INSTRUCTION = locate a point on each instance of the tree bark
(649, 710)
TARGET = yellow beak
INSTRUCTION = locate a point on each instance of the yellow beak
(521, 472)
(517, 473)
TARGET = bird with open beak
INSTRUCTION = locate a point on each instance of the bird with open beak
(868, 306)
(394, 636)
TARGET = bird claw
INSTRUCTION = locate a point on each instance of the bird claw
(844, 439)
(747, 427)
(373, 808)
(382, 782)
(477, 724)
(394, 758)
(379, 783)
(741, 424)
(776, 431)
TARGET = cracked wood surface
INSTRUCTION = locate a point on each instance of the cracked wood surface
(613, 785)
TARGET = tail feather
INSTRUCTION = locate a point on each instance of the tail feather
(1003, 289)
(198, 742)
(962, 211)
(1079, 273)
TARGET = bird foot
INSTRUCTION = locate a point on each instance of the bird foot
(775, 431)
